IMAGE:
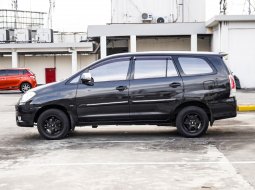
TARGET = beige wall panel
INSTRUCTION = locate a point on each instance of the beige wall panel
(63, 67)
(163, 44)
(204, 44)
(5, 62)
(84, 60)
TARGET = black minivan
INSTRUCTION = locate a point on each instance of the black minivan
(182, 89)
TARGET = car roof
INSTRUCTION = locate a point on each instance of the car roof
(164, 53)
(15, 69)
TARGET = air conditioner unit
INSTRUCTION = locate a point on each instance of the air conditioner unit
(4, 36)
(23, 35)
(44, 35)
(146, 17)
(160, 20)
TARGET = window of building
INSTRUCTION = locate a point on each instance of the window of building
(194, 66)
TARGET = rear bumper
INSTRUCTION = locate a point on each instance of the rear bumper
(224, 109)
(25, 115)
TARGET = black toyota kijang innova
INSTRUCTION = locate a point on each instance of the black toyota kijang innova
(182, 89)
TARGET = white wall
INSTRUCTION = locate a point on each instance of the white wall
(238, 40)
(242, 55)
(37, 64)
(130, 11)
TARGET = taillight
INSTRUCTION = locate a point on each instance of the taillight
(232, 85)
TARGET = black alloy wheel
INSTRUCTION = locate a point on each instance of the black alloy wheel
(192, 121)
(53, 124)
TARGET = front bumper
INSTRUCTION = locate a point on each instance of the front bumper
(25, 115)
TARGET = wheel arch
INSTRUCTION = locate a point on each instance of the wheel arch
(195, 103)
(59, 107)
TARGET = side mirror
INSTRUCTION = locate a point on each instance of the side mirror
(86, 78)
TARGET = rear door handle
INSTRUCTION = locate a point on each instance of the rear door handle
(175, 84)
(121, 88)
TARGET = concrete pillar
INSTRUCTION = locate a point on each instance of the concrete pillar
(15, 59)
(74, 62)
(103, 47)
(194, 42)
(132, 45)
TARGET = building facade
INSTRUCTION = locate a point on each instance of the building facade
(168, 25)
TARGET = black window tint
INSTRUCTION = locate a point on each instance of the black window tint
(171, 70)
(2, 72)
(193, 65)
(113, 71)
(12, 72)
(154, 68)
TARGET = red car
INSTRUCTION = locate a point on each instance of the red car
(17, 79)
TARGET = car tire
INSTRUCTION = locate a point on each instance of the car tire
(53, 124)
(25, 86)
(192, 122)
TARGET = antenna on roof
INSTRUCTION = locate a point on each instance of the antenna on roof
(15, 4)
(251, 6)
(52, 6)
(223, 6)
(15, 7)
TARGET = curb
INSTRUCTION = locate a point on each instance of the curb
(246, 108)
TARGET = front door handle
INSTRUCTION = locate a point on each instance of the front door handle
(121, 88)
(175, 84)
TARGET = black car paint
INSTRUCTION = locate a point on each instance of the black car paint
(140, 101)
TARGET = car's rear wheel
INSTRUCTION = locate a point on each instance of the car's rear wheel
(192, 121)
(25, 86)
(53, 124)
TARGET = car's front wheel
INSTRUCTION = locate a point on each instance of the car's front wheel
(192, 121)
(53, 124)
(25, 86)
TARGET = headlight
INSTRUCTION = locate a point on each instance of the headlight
(27, 96)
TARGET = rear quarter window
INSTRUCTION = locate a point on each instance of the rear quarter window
(195, 66)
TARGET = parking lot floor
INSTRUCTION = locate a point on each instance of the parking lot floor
(127, 157)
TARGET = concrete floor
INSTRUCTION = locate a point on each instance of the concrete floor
(126, 157)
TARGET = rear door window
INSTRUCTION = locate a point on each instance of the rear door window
(154, 68)
(195, 66)
(12, 72)
(145, 68)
